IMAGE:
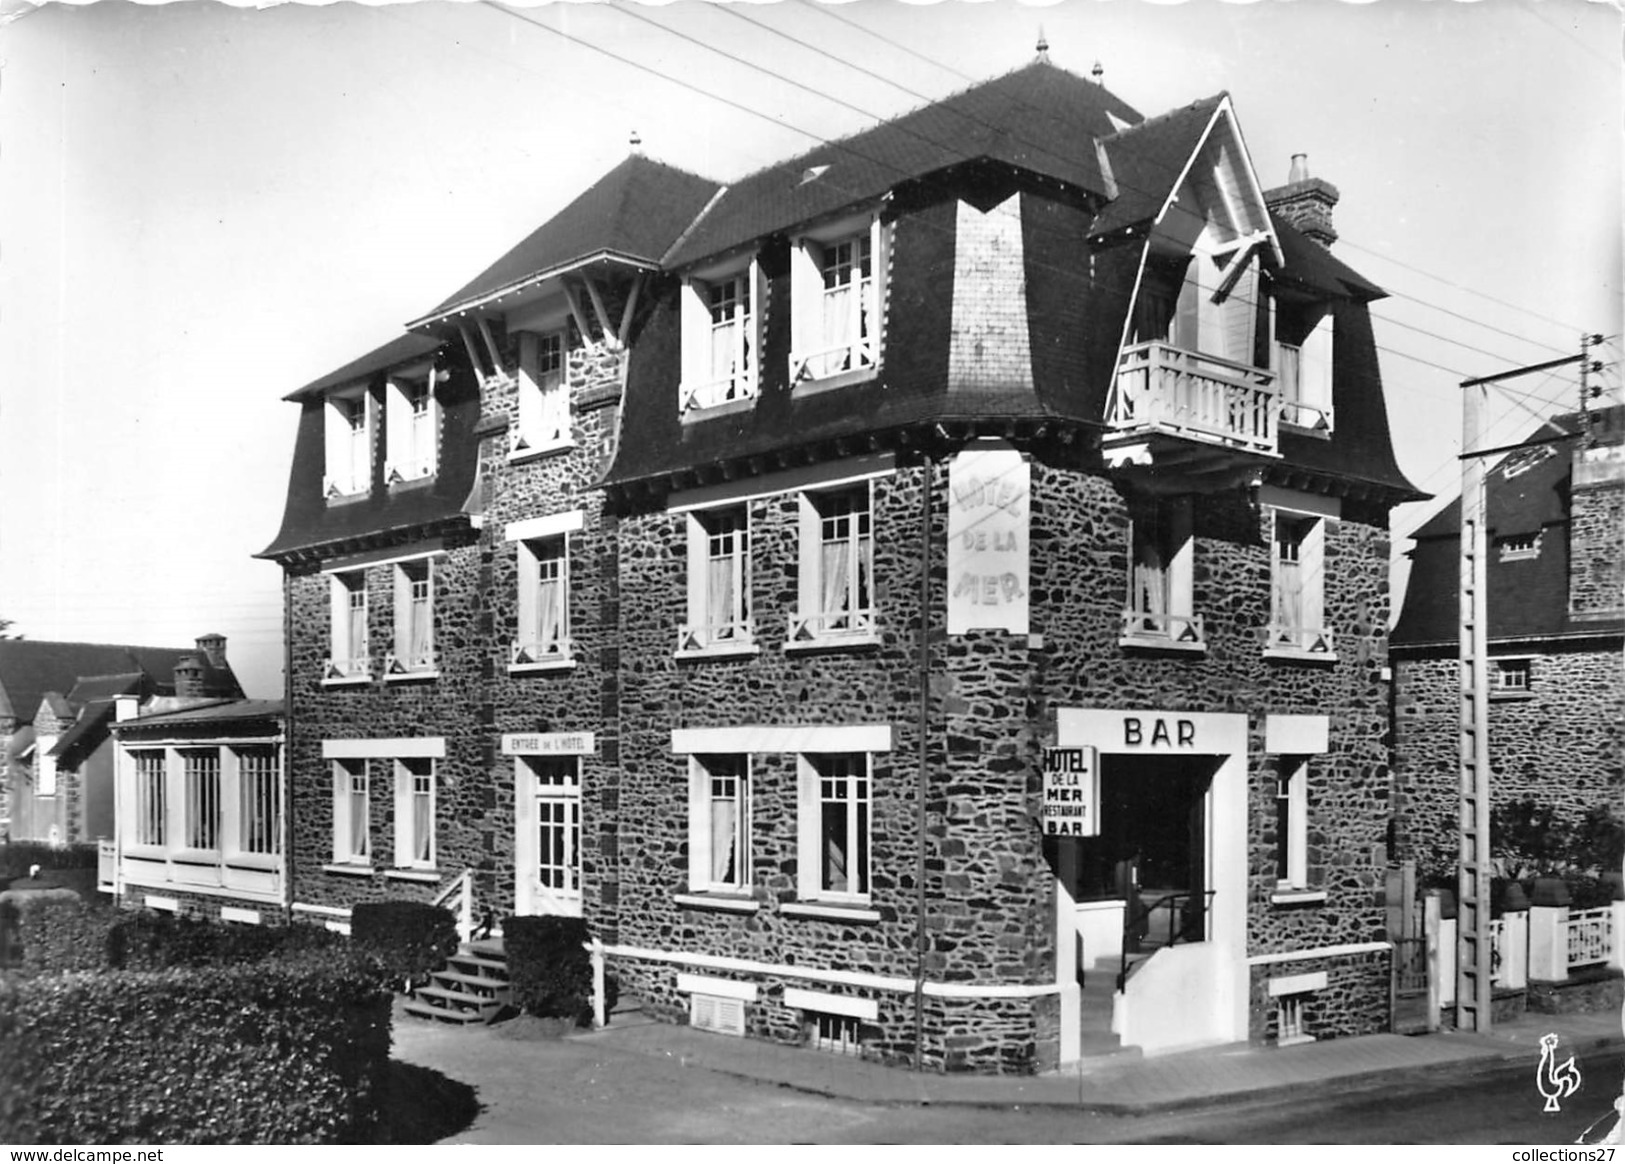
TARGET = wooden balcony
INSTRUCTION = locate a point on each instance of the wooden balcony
(1172, 408)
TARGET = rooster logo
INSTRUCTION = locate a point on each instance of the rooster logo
(1555, 1080)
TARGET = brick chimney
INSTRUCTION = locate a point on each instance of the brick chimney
(213, 646)
(189, 677)
(1305, 202)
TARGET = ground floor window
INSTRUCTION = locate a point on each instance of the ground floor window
(414, 813)
(352, 785)
(258, 803)
(149, 798)
(202, 774)
(834, 826)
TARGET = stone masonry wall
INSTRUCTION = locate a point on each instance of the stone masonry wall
(1353, 1002)
(1597, 541)
(1562, 744)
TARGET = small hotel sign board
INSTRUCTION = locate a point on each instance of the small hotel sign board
(1071, 793)
(549, 744)
(987, 540)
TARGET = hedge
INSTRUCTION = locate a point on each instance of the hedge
(53, 930)
(411, 938)
(157, 941)
(287, 1050)
(17, 857)
(550, 971)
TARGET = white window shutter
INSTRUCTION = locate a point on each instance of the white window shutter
(525, 560)
(807, 837)
(339, 599)
(1312, 567)
(337, 431)
(403, 813)
(341, 811)
(1315, 366)
(698, 570)
(699, 825)
(397, 430)
(1182, 565)
(530, 394)
(756, 287)
(806, 302)
(403, 615)
(808, 575)
(696, 337)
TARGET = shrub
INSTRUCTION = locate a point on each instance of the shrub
(411, 937)
(53, 930)
(157, 941)
(549, 967)
(292, 1049)
(17, 857)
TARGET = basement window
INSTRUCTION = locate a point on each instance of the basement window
(1289, 1027)
(836, 1033)
(710, 1012)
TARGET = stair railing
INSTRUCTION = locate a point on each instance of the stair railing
(1187, 922)
(462, 889)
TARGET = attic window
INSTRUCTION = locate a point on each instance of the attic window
(1525, 459)
(812, 174)
(1518, 547)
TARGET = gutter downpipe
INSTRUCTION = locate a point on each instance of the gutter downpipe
(925, 701)
(287, 746)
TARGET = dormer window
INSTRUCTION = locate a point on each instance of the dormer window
(722, 324)
(837, 296)
(350, 422)
(413, 425)
(1303, 364)
(544, 402)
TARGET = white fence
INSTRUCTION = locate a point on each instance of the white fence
(1543, 944)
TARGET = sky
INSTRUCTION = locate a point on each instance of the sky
(204, 207)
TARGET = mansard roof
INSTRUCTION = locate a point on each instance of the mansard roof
(398, 351)
(1527, 493)
(1039, 119)
(633, 214)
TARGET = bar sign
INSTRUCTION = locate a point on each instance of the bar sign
(1071, 793)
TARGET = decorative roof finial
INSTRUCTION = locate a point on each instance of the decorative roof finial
(1098, 72)
(635, 142)
(1043, 46)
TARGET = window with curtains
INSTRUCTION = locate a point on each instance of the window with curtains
(1297, 586)
(347, 661)
(259, 804)
(412, 425)
(835, 793)
(349, 425)
(543, 422)
(201, 774)
(837, 568)
(544, 602)
(413, 655)
(352, 785)
(719, 823)
(414, 813)
(1160, 611)
(150, 801)
(837, 292)
(721, 338)
(718, 583)
(1303, 364)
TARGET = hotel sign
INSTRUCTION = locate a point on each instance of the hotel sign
(988, 517)
(1071, 793)
(549, 744)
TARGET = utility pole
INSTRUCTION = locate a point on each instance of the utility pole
(1473, 950)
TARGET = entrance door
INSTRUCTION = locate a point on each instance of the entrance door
(547, 847)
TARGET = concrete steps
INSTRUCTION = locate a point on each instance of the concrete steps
(472, 988)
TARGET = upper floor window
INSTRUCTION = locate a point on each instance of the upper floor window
(1160, 610)
(1303, 364)
(150, 801)
(414, 621)
(350, 424)
(837, 295)
(718, 582)
(1297, 585)
(719, 824)
(544, 601)
(412, 425)
(1518, 547)
(348, 658)
(722, 334)
(837, 568)
(544, 404)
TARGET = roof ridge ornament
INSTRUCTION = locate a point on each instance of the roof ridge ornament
(1043, 46)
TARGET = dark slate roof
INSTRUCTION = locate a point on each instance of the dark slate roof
(227, 711)
(1528, 598)
(106, 687)
(401, 350)
(31, 667)
(87, 731)
(1147, 160)
(19, 741)
(1316, 268)
(636, 211)
(1039, 118)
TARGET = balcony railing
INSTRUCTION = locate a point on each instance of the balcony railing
(1143, 627)
(701, 637)
(411, 663)
(540, 654)
(1308, 640)
(1591, 933)
(833, 626)
(347, 669)
(739, 385)
(1164, 389)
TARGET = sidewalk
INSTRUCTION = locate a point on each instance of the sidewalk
(1126, 1084)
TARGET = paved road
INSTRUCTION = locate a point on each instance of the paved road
(550, 1091)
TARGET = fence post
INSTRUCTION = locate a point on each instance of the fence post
(598, 982)
(1616, 936)
(1515, 949)
(1430, 931)
(1549, 943)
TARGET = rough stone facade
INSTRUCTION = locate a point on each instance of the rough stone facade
(1561, 744)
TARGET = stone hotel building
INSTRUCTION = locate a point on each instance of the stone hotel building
(927, 598)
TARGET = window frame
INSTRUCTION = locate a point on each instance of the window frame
(541, 421)
(1303, 365)
(348, 443)
(1512, 677)
(411, 433)
(532, 565)
(348, 603)
(150, 824)
(1292, 824)
(259, 794)
(407, 791)
(1163, 524)
(704, 390)
(567, 794)
(809, 295)
(347, 771)
(700, 635)
(1311, 638)
(407, 660)
(703, 773)
(202, 818)
(809, 627)
(812, 772)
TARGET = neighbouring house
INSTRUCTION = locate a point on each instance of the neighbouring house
(927, 598)
(57, 702)
(200, 795)
(1555, 525)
